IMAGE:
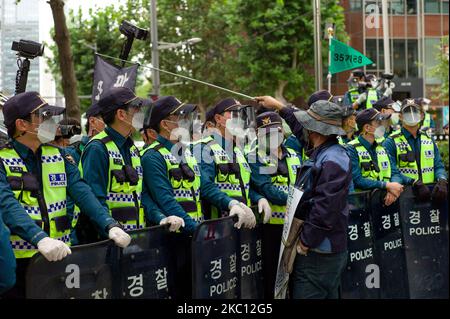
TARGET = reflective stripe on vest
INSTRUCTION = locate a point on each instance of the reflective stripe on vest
(229, 182)
(411, 169)
(122, 195)
(54, 186)
(383, 163)
(186, 193)
(282, 183)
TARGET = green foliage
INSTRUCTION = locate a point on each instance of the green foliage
(275, 45)
(443, 150)
(440, 71)
(254, 47)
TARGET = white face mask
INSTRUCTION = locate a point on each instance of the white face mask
(270, 140)
(138, 120)
(374, 83)
(379, 131)
(426, 107)
(395, 118)
(235, 127)
(47, 131)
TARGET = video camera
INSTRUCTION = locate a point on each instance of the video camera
(28, 49)
(67, 131)
(130, 30)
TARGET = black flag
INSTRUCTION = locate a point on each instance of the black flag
(108, 75)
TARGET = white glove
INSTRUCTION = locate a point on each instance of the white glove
(387, 92)
(264, 207)
(245, 215)
(174, 221)
(121, 238)
(53, 249)
(362, 98)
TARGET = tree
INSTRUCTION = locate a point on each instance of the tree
(65, 58)
(275, 44)
(440, 70)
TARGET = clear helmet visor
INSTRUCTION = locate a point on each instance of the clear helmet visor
(411, 116)
(185, 126)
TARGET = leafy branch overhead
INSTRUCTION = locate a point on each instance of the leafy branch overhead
(255, 47)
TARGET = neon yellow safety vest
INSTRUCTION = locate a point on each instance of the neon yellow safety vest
(341, 141)
(366, 163)
(282, 181)
(184, 178)
(124, 185)
(49, 210)
(380, 140)
(354, 94)
(406, 160)
(231, 178)
(426, 123)
(372, 96)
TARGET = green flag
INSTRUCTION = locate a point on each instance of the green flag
(344, 57)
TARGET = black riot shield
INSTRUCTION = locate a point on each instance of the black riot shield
(85, 274)
(145, 269)
(252, 281)
(389, 253)
(215, 260)
(425, 234)
(361, 256)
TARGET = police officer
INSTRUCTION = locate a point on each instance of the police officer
(348, 125)
(148, 134)
(371, 166)
(416, 155)
(387, 106)
(111, 162)
(171, 173)
(274, 168)
(361, 94)
(94, 125)
(427, 121)
(225, 173)
(36, 178)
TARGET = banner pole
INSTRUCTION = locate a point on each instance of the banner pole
(330, 36)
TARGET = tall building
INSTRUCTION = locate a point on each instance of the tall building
(17, 21)
(415, 31)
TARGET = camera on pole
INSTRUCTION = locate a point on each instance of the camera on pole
(27, 50)
(131, 32)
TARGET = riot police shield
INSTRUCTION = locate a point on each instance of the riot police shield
(145, 269)
(425, 234)
(85, 274)
(216, 260)
(355, 282)
(251, 275)
(389, 253)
